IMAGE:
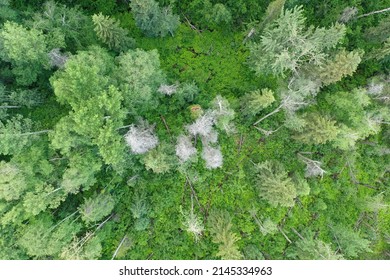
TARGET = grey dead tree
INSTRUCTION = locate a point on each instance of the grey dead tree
(184, 148)
(141, 138)
(313, 167)
(212, 156)
(57, 59)
(167, 89)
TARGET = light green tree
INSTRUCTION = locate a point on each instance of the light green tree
(140, 76)
(255, 101)
(318, 129)
(97, 207)
(220, 226)
(287, 45)
(12, 181)
(274, 185)
(343, 64)
(25, 49)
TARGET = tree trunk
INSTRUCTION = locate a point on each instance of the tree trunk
(375, 12)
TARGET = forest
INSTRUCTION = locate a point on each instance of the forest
(194, 129)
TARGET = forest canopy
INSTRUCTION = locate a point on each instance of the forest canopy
(194, 129)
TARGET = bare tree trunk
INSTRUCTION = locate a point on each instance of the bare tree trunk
(119, 246)
(285, 236)
(270, 114)
(9, 107)
(36, 132)
(375, 12)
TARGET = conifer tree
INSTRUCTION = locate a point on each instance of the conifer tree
(220, 226)
(274, 185)
(318, 129)
(96, 208)
(110, 33)
(343, 64)
(255, 101)
(153, 20)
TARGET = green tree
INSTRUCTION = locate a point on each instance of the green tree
(61, 22)
(12, 181)
(350, 242)
(42, 238)
(309, 248)
(110, 33)
(15, 134)
(160, 159)
(25, 49)
(97, 207)
(220, 226)
(343, 64)
(318, 129)
(139, 76)
(274, 185)
(255, 101)
(287, 45)
(153, 20)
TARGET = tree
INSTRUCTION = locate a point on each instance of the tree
(255, 101)
(184, 148)
(203, 125)
(57, 59)
(193, 224)
(141, 138)
(42, 238)
(80, 172)
(274, 185)
(97, 207)
(85, 74)
(350, 242)
(313, 167)
(309, 248)
(343, 64)
(220, 226)
(140, 210)
(15, 134)
(160, 159)
(12, 181)
(273, 11)
(110, 33)
(318, 129)
(223, 114)
(212, 156)
(153, 20)
(25, 49)
(287, 45)
(139, 77)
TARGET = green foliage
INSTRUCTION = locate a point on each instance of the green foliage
(12, 181)
(153, 20)
(110, 33)
(220, 226)
(160, 160)
(255, 101)
(42, 238)
(318, 129)
(287, 45)
(274, 185)
(315, 249)
(350, 242)
(105, 184)
(96, 208)
(25, 49)
(342, 65)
